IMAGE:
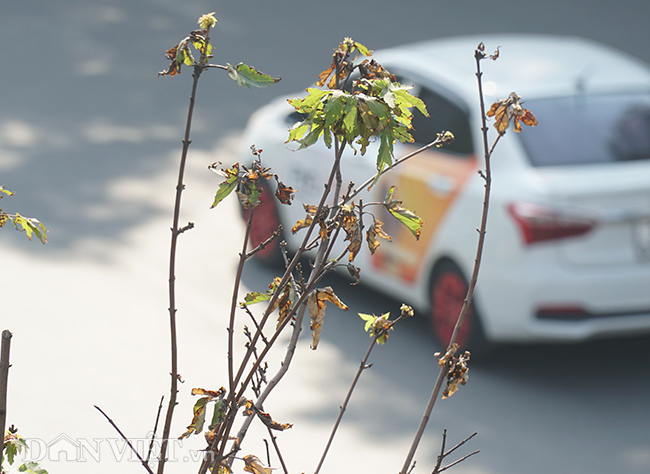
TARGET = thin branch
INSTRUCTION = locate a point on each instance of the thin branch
(459, 444)
(233, 308)
(477, 263)
(442, 454)
(142, 461)
(4, 379)
(263, 245)
(198, 69)
(155, 430)
(362, 366)
(277, 451)
(459, 461)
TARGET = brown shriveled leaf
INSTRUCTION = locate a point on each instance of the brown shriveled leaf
(316, 304)
(254, 465)
(209, 393)
(355, 272)
(284, 303)
(509, 109)
(353, 228)
(274, 425)
(302, 224)
(324, 232)
(522, 115)
(323, 76)
(373, 70)
(284, 193)
(341, 62)
(458, 371)
(249, 408)
(501, 117)
(356, 238)
(376, 230)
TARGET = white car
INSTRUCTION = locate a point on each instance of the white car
(567, 255)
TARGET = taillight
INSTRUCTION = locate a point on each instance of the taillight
(540, 223)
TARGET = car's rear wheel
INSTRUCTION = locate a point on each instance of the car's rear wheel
(448, 292)
(266, 220)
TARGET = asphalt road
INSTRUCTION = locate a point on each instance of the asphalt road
(89, 140)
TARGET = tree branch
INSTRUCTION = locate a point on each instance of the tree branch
(142, 461)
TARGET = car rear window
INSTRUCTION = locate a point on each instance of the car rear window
(588, 129)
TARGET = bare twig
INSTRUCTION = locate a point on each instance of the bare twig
(443, 454)
(362, 366)
(198, 69)
(155, 430)
(277, 451)
(477, 263)
(4, 379)
(126, 440)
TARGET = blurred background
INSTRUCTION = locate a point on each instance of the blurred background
(89, 143)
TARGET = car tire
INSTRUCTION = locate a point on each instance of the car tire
(266, 220)
(447, 294)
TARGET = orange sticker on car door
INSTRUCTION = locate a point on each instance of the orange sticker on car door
(427, 184)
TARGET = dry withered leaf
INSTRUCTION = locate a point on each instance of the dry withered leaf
(302, 224)
(284, 193)
(355, 237)
(254, 465)
(373, 70)
(355, 272)
(458, 373)
(316, 302)
(510, 109)
(376, 230)
(352, 227)
(209, 393)
(284, 303)
(274, 425)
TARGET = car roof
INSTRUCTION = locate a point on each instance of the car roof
(532, 65)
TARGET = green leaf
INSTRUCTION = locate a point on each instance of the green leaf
(199, 412)
(403, 96)
(350, 120)
(362, 49)
(297, 131)
(198, 44)
(225, 188)
(406, 217)
(369, 319)
(247, 76)
(31, 227)
(32, 468)
(257, 297)
(219, 412)
(4, 191)
(376, 325)
(334, 108)
(313, 98)
(196, 426)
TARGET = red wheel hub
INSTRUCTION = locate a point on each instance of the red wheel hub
(447, 299)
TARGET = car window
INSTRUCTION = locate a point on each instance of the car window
(444, 115)
(588, 129)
